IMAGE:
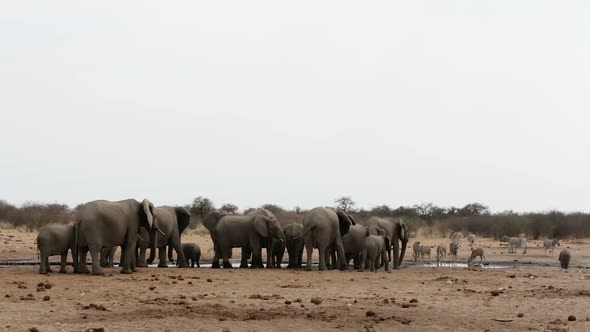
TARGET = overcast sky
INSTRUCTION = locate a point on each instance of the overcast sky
(297, 103)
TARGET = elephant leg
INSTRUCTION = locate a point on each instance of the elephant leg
(49, 270)
(162, 257)
(340, 251)
(322, 253)
(363, 260)
(384, 259)
(43, 266)
(280, 255)
(225, 257)
(375, 265)
(141, 261)
(96, 268)
(198, 258)
(396, 254)
(62, 265)
(74, 259)
(269, 254)
(299, 260)
(244, 257)
(181, 259)
(82, 254)
(170, 253)
(309, 251)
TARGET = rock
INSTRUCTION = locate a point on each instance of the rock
(33, 329)
(209, 280)
(405, 305)
(287, 302)
(316, 300)
(520, 314)
(46, 298)
(152, 287)
(414, 301)
(370, 313)
(571, 318)
(48, 286)
(495, 292)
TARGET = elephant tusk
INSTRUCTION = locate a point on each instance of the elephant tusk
(159, 230)
(140, 238)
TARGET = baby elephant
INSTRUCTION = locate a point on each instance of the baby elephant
(375, 252)
(56, 239)
(192, 253)
(476, 253)
(564, 258)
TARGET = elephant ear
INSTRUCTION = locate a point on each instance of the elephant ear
(148, 209)
(183, 217)
(344, 222)
(403, 230)
(261, 225)
(352, 219)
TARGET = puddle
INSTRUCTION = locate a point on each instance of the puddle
(464, 265)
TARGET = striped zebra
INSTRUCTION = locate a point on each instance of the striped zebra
(453, 249)
(441, 252)
(471, 239)
(416, 249)
(456, 236)
(517, 242)
(550, 245)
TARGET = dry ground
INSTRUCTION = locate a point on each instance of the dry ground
(411, 299)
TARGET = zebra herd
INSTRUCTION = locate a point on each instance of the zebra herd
(514, 243)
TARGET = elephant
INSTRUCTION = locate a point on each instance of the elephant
(323, 228)
(397, 231)
(354, 241)
(294, 243)
(274, 251)
(103, 224)
(192, 253)
(374, 249)
(56, 239)
(237, 231)
(107, 255)
(172, 221)
(564, 258)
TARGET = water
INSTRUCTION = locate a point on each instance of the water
(464, 265)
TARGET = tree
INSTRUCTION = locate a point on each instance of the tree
(381, 211)
(344, 203)
(230, 208)
(202, 206)
(474, 209)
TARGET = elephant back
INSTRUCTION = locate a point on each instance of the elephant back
(212, 219)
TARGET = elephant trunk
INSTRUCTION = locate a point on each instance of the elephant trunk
(403, 252)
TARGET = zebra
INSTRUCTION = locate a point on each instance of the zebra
(453, 248)
(456, 236)
(416, 248)
(564, 258)
(517, 242)
(550, 245)
(474, 254)
(441, 252)
(471, 239)
(425, 251)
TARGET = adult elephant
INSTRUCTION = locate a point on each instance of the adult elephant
(323, 228)
(237, 231)
(397, 231)
(274, 248)
(103, 224)
(172, 221)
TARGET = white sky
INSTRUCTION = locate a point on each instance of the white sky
(297, 103)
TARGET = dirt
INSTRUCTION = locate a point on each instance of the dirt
(410, 299)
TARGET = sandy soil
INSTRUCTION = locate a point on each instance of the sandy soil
(411, 299)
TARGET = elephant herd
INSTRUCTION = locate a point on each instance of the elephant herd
(103, 226)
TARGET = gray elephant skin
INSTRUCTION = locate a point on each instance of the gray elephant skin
(192, 254)
(172, 221)
(354, 241)
(397, 231)
(237, 231)
(294, 243)
(274, 249)
(323, 228)
(375, 252)
(56, 239)
(103, 224)
(564, 258)
(107, 256)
